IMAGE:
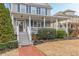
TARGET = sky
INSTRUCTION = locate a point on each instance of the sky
(56, 7)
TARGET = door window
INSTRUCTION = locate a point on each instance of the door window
(20, 26)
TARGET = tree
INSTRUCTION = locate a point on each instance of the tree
(6, 28)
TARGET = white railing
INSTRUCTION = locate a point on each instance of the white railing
(29, 34)
(35, 29)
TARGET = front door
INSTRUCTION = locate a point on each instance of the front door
(21, 26)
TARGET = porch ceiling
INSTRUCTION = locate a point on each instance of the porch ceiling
(38, 17)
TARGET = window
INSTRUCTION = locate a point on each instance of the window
(35, 23)
(42, 11)
(33, 10)
(20, 26)
(22, 8)
(60, 26)
(9, 5)
(38, 10)
(32, 23)
(46, 11)
(18, 7)
(29, 9)
(26, 8)
(47, 23)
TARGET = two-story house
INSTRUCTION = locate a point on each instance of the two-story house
(27, 18)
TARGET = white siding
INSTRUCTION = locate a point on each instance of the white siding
(14, 7)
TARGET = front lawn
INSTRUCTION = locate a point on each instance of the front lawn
(13, 52)
(60, 48)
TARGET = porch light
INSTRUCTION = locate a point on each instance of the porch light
(21, 16)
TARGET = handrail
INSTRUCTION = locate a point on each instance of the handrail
(29, 33)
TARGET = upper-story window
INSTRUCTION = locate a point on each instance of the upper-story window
(42, 11)
(27, 9)
(18, 7)
(22, 8)
(38, 10)
(33, 10)
(46, 11)
(9, 5)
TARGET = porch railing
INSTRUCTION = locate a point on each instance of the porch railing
(35, 29)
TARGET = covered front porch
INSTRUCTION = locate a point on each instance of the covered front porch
(34, 22)
(27, 24)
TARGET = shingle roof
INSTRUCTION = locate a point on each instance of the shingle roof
(64, 15)
(68, 10)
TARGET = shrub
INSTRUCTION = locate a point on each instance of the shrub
(2, 46)
(6, 28)
(8, 45)
(35, 36)
(60, 33)
(46, 33)
(72, 33)
(12, 44)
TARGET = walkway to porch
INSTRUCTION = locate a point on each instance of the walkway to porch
(30, 51)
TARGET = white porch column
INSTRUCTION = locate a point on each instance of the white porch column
(56, 24)
(17, 30)
(24, 25)
(67, 27)
(30, 21)
(44, 21)
(29, 30)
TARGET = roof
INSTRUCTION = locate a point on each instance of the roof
(62, 13)
(59, 13)
(68, 10)
(46, 5)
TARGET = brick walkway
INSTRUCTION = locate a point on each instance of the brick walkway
(30, 51)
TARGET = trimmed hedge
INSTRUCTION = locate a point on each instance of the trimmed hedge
(8, 45)
(60, 33)
(47, 33)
